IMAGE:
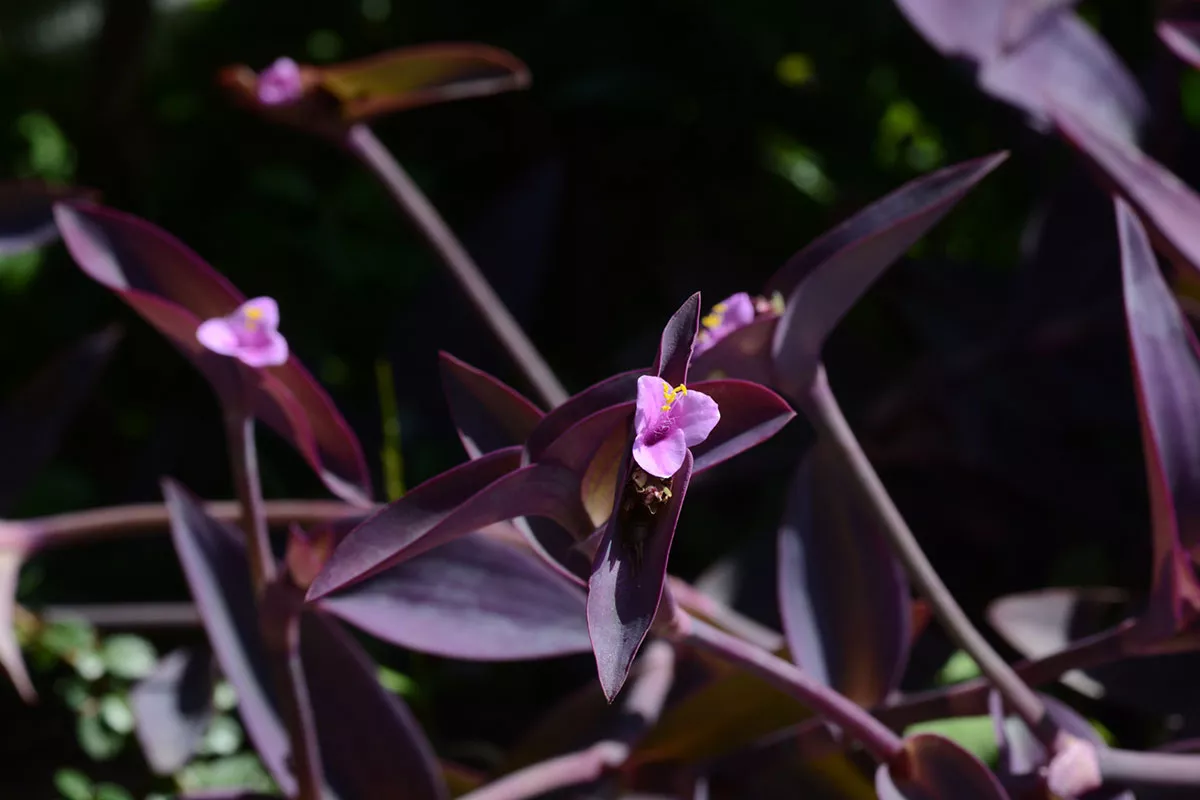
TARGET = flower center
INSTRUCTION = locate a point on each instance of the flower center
(671, 395)
(251, 318)
(715, 318)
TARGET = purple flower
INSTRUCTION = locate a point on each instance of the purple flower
(667, 422)
(250, 334)
(727, 316)
(280, 83)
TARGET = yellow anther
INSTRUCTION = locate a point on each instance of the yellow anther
(670, 395)
(720, 308)
(254, 313)
(710, 320)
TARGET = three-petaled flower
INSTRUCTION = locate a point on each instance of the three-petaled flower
(668, 421)
(250, 334)
(280, 83)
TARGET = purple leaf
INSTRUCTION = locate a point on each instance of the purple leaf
(750, 414)
(1166, 368)
(33, 421)
(11, 559)
(1183, 39)
(1024, 17)
(472, 598)
(612, 391)
(173, 708)
(933, 768)
(577, 445)
(678, 338)
(843, 596)
(627, 579)
(488, 414)
(744, 354)
(490, 489)
(558, 548)
(370, 743)
(27, 214)
(1022, 755)
(966, 28)
(214, 562)
(825, 279)
(1164, 203)
(174, 290)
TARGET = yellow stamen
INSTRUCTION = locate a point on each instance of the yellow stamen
(710, 320)
(252, 316)
(671, 395)
(720, 308)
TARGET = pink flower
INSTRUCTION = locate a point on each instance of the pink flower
(727, 316)
(280, 83)
(250, 334)
(668, 421)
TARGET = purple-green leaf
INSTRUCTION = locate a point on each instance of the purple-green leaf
(843, 596)
(678, 338)
(173, 708)
(27, 214)
(825, 279)
(934, 768)
(174, 290)
(472, 598)
(490, 489)
(33, 421)
(370, 744)
(627, 580)
(1166, 369)
(488, 414)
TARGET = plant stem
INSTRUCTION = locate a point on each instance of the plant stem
(823, 410)
(279, 621)
(1128, 768)
(363, 144)
(641, 707)
(125, 616)
(877, 738)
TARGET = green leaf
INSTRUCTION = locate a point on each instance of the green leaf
(223, 738)
(73, 784)
(115, 712)
(74, 693)
(110, 791)
(397, 682)
(129, 656)
(98, 740)
(66, 639)
(224, 697)
(89, 665)
(242, 771)
(958, 668)
(974, 734)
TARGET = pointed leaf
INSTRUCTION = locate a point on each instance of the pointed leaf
(11, 559)
(369, 742)
(472, 598)
(627, 581)
(487, 490)
(27, 214)
(214, 561)
(488, 414)
(32, 422)
(1166, 367)
(1023, 17)
(825, 279)
(750, 414)
(744, 354)
(678, 339)
(932, 768)
(173, 708)
(174, 290)
(612, 391)
(1183, 38)
(843, 596)
(967, 28)
(410, 77)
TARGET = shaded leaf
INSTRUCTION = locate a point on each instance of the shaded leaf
(417, 76)
(11, 560)
(612, 391)
(825, 279)
(128, 656)
(488, 414)
(1183, 38)
(33, 421)
(27, 214)
(750, 414)
(1023, 17)
(932, 767)
(472, 598)
(1166, 368)
(745, 354)
(214, 561)
(173, 708)
(370, 743)
(627, 580)
(678, 339)
(174, 290)
(490, 489)
(843, 596)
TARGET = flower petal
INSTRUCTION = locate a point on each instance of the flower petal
(739, 310)
(266, 308)
(663, 458)
(696, 414)
(218, 335)
(272, 355)
(650, 398)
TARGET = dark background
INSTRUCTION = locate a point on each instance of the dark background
(664, 147)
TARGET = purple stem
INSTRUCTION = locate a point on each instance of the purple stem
(363, 144)
(823, 410)
(641, 707)
(126, 615)
(1127, 768)
(280, 624)
(879, 740)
